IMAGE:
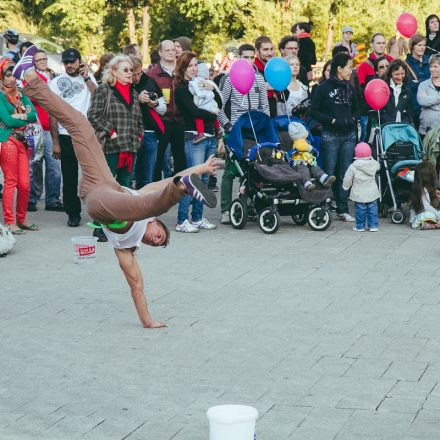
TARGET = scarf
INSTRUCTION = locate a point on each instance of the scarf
(303, 35)
(124, 90)
(397, 90)
(345, 90)
(260, 67)
(13, 95)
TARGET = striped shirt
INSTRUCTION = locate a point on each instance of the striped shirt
(235, 104)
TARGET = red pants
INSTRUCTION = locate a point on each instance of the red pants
(14, 161)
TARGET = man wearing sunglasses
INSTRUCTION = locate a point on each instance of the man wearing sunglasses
(52, 175)
(75, 87)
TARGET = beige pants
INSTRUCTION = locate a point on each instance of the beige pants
(105, 200)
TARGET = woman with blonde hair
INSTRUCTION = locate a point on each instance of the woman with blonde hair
(296, 94)
(116, 117)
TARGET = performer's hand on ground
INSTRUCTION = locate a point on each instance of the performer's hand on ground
(211, 165)
(154, 324)
(56, 151)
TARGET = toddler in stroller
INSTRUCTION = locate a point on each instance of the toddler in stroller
(303, 159)
(270, 188)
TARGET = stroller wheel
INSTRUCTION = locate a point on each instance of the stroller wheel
(238, 213)
(269, 221)
(300, 218)
(319, 218)
(398, 217)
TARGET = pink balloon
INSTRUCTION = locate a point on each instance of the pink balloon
(407, 24)
(242, 76)
(377, 94)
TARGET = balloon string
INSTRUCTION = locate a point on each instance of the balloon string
(285, 105)
(253, 129)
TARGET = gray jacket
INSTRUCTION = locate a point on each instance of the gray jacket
(361, 178)
(429, 99)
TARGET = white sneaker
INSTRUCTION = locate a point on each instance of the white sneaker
(345, 217)
(226, 218)
(186, 226)
(355, 229)
(374, 229)
(204, 224)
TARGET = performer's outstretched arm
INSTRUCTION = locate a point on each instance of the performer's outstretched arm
(132, 272)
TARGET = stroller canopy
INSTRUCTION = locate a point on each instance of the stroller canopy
(400, 132)
(242, 129)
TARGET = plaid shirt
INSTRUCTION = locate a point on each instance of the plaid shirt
(125, 119)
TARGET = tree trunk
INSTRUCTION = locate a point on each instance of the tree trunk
(132, 26)
(329, 40)
(145, 34)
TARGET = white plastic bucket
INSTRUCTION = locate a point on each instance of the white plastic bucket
(84, 249)
(232, 422)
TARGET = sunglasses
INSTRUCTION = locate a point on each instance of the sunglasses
(126, 70)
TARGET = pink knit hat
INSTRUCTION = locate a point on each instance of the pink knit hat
(362, 151)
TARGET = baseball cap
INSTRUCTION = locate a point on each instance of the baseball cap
(11, 35)
(70, 55)
(347, 29)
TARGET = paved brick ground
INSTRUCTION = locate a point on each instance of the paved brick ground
(331, 336)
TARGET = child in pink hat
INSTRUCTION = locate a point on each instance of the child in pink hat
(361, 178)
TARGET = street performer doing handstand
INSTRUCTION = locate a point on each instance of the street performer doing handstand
(128, 217)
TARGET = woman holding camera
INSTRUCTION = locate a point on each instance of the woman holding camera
(116, 117)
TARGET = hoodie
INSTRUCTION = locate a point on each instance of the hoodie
(361, 178)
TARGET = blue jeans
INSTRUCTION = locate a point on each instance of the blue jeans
(167, 171)
(52, 175)
(337, 151)
(366, 212)
(195, 155)
(146, 160)
(364, 124)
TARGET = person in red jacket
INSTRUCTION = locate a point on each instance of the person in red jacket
(265, 51)
(163, 74)
(366, 70)
(52, 172)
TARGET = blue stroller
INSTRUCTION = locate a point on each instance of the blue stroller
(399, 149)
(264, 195)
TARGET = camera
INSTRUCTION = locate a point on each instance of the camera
(152, 96)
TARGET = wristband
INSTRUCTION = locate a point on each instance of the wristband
(87, 79)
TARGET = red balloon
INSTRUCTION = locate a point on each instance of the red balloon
(377, 94)
(407, 24)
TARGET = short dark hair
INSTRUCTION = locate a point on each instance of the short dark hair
(396, 65)
(261, 40)
(167, 233)
(414, 40)
(287, 39)
(339, 49)
(25, 45)
(130, 49)
(340, 60)
(244, 47)
(306, 25)
(377, 34)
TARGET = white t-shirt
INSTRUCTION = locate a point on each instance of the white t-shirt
(74, 90)
(131, 238)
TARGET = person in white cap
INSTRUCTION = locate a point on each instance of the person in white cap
(347, 41)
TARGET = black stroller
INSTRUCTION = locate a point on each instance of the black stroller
(264, 195)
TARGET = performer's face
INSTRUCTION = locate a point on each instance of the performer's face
(155, 234)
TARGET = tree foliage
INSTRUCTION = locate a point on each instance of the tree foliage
(98, 25)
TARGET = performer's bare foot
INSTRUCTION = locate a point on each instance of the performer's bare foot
(154, 324)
